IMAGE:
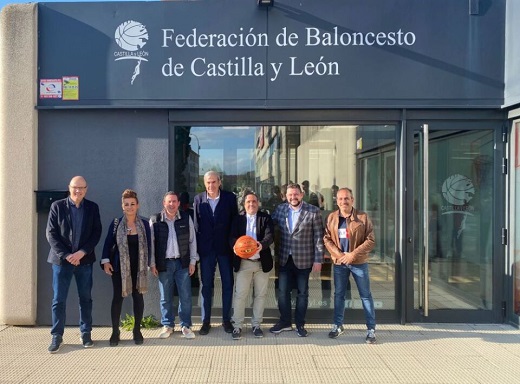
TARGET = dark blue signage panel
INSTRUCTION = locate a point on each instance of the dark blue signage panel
(297, 54)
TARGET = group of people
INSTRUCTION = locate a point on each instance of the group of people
(171, 243)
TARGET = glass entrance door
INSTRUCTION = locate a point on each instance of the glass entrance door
(454, 253)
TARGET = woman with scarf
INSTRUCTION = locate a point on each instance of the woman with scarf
(127, 263)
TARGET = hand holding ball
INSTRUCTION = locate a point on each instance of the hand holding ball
(245, 247)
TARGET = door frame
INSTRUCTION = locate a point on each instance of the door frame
(496, 313)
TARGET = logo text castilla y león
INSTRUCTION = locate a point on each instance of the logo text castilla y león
(458, 190)
(131, 36)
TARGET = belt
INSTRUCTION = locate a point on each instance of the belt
(172, 258)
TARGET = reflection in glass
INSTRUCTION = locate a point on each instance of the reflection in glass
(322, 159)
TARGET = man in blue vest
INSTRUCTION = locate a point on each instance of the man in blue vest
(174, 256)
(214, 211)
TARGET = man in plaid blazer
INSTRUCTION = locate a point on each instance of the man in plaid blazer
(301, 251)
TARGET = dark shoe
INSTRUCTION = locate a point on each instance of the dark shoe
(371, 337)
(258, 332)
(204, 330)
(237, 334)
(87, 340)
(55, 344)
(114, 339)
(228, 327)
(336, 331)
(138, 337)
(301, 331)
(280, 327)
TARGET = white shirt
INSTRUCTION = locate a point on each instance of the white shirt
(251, 231)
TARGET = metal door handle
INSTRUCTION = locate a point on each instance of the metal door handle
(426, 216)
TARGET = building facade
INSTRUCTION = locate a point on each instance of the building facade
(413, 105)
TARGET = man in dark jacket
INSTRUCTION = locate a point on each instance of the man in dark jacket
(214, 210)
(256, 269)
(73, 231)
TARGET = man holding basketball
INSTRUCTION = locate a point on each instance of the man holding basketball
(254, 269)
(300, 252)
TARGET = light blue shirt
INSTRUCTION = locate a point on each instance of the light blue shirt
(213, 202)
(293, 217)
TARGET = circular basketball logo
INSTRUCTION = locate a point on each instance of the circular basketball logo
(131, 35)
(458, 189)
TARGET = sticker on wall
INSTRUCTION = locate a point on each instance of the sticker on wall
(131, 36)
(70, 88)
(50, 89)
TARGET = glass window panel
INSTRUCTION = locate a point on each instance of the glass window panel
(321, 158)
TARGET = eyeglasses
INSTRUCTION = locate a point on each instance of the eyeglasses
(76, 187)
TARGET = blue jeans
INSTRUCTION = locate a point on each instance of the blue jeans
(208, 265)
(288, 273)
(61, 279)
(362, 279)
(179, 276)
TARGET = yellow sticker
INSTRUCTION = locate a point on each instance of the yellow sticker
(70, 88)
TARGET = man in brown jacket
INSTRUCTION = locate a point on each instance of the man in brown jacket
(349, 237)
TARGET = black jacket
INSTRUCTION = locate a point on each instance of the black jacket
(110, 240)
(59, 231)
(264, 235)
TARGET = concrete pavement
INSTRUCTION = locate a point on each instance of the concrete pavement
(412, 353)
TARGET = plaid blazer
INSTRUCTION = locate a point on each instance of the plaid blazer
(305, 243)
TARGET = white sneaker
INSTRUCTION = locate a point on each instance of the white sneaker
(371, 337)
(165, 332)
(187, 333)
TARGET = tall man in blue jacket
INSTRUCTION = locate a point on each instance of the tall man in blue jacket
(73, 231)
(213, 213)
(300, 252)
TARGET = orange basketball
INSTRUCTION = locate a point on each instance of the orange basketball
(245, 247)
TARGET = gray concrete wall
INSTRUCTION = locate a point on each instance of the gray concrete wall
(113, 150)
(18, 165)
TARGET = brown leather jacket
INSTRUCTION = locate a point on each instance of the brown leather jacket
(361, 236)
